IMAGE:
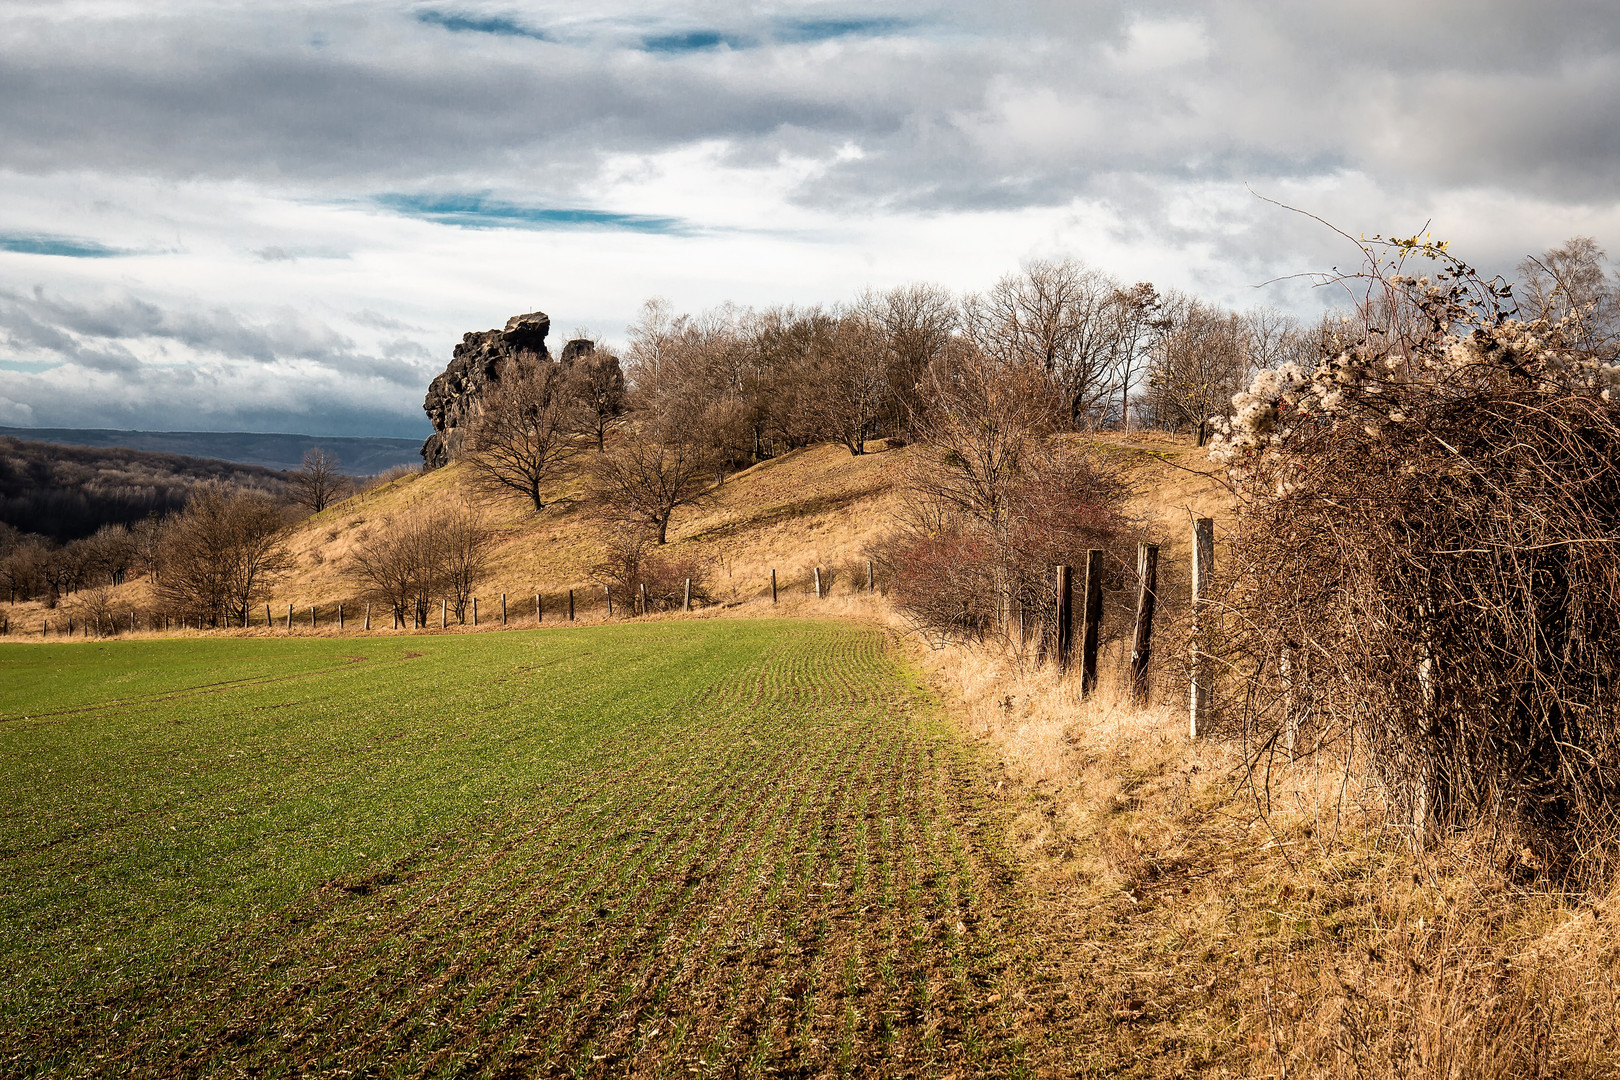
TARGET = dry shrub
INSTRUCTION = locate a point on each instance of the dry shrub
(1427, 557)
(994, 502)
(632, 559)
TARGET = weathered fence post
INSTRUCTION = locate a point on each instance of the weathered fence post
(607, 590)
(773, 586)
(686, 605)
(816, 572)
(340, 616)
(1091, 621)
(289, 617)
(1201, 687)
(312, 616)
(539, 609)
(1065, 619)
(1147, 573)
(368, 617)
(269, 623)
(444, 612)
(475, 611)
(644, 598)
(503, 609)
(871, 585)
(570, 605)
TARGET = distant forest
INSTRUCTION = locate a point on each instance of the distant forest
(68, 492)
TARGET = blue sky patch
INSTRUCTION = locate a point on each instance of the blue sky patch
(500, 25)
(692, 41)
(799, 31)
(480, 212)
(65, 246)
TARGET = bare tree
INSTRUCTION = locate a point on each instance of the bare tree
(849, 380)
(317, 482)
(219, 555)
(647, 475)
(524, 435)
(1059, 316)
(594, 382)
(1139, 320)
(1198, 364)
(415, 558)
(1571, 280)
(919, 322)
(462, 542)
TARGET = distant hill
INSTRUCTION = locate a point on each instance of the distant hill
(67, 492)
(358, 456)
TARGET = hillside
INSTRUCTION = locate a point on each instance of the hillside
(815, 507)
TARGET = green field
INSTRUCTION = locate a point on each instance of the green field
(681, 849)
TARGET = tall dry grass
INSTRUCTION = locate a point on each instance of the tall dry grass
(1187, 923)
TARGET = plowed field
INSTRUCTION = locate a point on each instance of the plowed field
(705, 848)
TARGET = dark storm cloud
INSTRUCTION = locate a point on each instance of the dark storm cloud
(1025, 105)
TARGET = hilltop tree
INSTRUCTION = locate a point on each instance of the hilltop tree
(317, 483)
(647, 475)
(520, 441)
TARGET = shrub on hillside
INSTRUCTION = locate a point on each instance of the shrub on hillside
(995, 500)
(1427, 554)
(632, 558)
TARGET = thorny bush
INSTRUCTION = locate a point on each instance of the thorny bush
(1426, 560)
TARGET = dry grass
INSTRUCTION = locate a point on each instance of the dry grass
(1183, 931)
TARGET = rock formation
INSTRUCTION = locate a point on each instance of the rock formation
(475, 369)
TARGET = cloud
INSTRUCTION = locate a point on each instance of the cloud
(536, 153)
(481, 212)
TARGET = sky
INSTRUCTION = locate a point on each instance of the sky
(281, 216)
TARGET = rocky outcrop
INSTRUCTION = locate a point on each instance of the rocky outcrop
(475, 369)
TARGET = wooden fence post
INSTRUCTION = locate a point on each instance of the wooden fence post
(475, 610)
(539, 609)
(503, 609)
(644, 598)
(289, 616)
(817, 573)
(773, 586)
(368, 617)
(607, 590)
(570, 605)
(1201, 687)
(871, 582)
(269, 623)
(1065, 619)
(1091, 622)
(1147, 572)
(312, 616)
(444, 612)
(340, 616)
(686, 605)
